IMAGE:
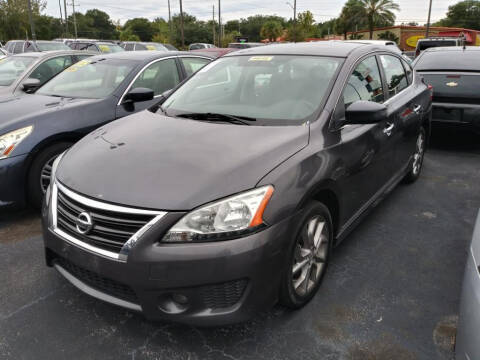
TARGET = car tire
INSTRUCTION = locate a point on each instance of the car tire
(37, 181)
(313, 252)
(415, 166)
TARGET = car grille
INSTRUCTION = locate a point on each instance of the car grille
(100, 283)
(223, 295)
(110, 231)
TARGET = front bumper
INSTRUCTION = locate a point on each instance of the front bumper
(224, 282)
(12, 182)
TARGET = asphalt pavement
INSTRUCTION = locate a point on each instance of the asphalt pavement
(391, 292)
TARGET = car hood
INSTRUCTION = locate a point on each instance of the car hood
(152, 161)
(16, 110)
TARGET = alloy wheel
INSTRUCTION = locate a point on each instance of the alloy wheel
(310, 257)
(419, 152)
(45, 174)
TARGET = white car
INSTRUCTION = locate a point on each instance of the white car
(392, 45)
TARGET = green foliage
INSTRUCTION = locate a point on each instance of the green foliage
(14, 23)
(141, 27)
(271, 30)
(252, 25)
(127, 35)
(355, 36)
(388, 35)
(229, 38)
(352, 17)
(464, 14)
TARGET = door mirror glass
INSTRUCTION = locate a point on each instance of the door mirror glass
(139, 95)
(31, 85)
(365, 112)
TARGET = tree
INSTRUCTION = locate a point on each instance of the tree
(127, 35)
(251, 26)
(14, 23)
(388, 35)
(271, 30)
(140, 27)
(102, 24)
(306, 22)
(379, 13)
(464, 14)
(351, 18)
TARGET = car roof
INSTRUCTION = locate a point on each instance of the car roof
(320, 48)
(145, 55)
(42, 54)
(452, 48)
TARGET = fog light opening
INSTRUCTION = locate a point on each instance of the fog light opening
(173, 303)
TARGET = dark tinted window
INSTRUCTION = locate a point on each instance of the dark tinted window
(48, 69)
(365, 83)
(129, 47)
(82, 46)
(160, 77)
(423, 45)
(196, 46)
(140, 47)
(394, 74)
(448, 60)
(29, 47)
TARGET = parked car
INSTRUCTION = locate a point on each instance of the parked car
(36, 128)
(27, 72)
(467, 346)
(215, 52)
(68, 41)
(230, 194)
(197, 46)
(245, 45)
(392, 45)
(424, 44)
(23, 46)
(139, 46)
(170, 47)
(454, 73)
(96, 46)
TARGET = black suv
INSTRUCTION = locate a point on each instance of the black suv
(231, 194)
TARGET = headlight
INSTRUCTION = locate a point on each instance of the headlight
(9, 141)
(223, 219)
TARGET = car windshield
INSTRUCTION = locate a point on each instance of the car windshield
(155, 46)
(90, 78)
(48, 46)
(273, 89)
(110, 48)
(11, 68)
(448, 60)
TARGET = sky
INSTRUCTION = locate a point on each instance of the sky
(410, 10)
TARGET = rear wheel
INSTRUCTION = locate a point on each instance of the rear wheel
(39, 174)
(308, 256)
(417, 162)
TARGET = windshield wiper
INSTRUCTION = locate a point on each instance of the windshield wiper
(234, 119)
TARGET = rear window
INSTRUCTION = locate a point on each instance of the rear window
(448, 60)
(423, 45)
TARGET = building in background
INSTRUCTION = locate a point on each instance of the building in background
(407, 36)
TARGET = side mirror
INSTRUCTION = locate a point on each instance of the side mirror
(139, 95)
(365, 112)
(31, 85)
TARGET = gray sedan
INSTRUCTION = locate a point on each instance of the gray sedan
(468, 346)
(28, 71)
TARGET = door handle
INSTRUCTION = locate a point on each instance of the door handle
(417, 108)
(388, 130)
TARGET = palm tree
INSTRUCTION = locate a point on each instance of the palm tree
(379, 11)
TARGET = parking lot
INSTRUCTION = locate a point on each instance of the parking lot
(392, 291)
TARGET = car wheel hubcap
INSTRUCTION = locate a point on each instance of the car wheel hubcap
(311, 251)
(46, 173)
(418, 156)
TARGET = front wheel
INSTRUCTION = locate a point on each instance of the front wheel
(417, 162)
(308, 256)
(39, 174)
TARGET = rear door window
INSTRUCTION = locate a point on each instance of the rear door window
(159, 77)
(192, 64)
(365, 83)
(394, 74)
(140, 47)
(129, 47)
(18, 47)
(50, 68)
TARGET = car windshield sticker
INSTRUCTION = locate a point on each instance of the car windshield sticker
(78, 65)
(261, 58)
(150, 47)
(104, 48)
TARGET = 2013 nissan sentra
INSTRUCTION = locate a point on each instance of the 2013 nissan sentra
(230, 195)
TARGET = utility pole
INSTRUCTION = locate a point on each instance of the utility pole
(30, 18)
(66, 17)
(170, 21)
(213, 23)
(181, 24)
(219, 25)
(61, 13)
(295, 20)
(428, 20)
(74, 19)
